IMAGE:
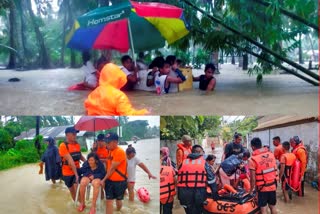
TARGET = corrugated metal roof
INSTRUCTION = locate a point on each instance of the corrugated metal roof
(280, 121)
(55, 132)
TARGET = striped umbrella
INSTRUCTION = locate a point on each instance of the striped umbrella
(136, 25)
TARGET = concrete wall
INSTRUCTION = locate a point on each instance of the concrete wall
(307, 132)
(172, 145)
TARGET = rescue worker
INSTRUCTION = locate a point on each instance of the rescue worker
(278, 148)
(183, 150)
(115, 180)
(301, 154)
(286, 161)
(194, 175)
(101, 148)
(233, 148)
(107, 99)
(263, 176)
(167, 188)
(229, 167)
(70, 152)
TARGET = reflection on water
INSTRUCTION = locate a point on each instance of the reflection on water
(307, 205)
(24, 191)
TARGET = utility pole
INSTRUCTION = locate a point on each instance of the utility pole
(37, 143)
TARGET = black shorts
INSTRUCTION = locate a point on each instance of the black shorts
(284, 184)
(115, 189)
(69, 180)
(267, 198)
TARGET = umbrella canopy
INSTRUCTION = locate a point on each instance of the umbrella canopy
(96, 123)
(142, 26)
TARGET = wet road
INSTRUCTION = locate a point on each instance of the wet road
(24, 191)
(236, 94)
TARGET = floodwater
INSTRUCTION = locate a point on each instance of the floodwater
(307, 205)
(279, 93)
(24, 191)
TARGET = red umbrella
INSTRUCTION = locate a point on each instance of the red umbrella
(96, 123)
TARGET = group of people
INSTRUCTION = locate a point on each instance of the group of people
(194, 175)
(164, 73)
(108, 168)
(110, 82)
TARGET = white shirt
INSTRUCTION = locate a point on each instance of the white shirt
(160, 81)
(173, 86)
(126, 71)
(89, 74)
(131, 168)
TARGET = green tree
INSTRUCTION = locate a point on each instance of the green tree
(6, 141)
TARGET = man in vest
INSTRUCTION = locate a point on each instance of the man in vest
(263, 176)
(286, 161)
(70, 152)
(183, 150)
(167, 188)
(194, 175)
(233, 148)
(301, 153)
(229, 167)
(115, 180)
(278, 149)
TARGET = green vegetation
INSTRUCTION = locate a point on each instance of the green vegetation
(277, 33)
(173, 127)
(244, 127)
(138, 128)
(23, 152)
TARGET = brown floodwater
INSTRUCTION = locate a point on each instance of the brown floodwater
(24, 191)
(306, 205)
(236, 93)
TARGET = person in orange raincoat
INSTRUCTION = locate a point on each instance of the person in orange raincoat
(107, 99)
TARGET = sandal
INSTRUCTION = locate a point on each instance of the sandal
(92, 210)
(81, 207)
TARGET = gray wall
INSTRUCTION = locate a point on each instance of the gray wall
(307, 132)
(172, 145)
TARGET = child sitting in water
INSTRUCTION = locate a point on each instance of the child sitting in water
(133, 161)
(207, 82)
(163, 80)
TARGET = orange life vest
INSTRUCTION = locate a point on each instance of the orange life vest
(186, 151)
(300, 146)
(192, 173)
(290, 159)
(75, 154)
(266, 171)
(167, 186)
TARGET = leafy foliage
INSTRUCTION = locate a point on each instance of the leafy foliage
(174, 127)
(23, 152)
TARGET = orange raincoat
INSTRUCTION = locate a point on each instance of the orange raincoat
(107, 99)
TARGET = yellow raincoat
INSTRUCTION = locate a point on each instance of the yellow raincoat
(107, 99)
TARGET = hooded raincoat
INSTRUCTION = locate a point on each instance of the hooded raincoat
(52, 161)
(107, 99)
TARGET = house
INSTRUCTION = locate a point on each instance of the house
(84, 138)
(306, 127)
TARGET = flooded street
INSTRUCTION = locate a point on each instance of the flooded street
(307, 205)
(48, 90)
(24, 191)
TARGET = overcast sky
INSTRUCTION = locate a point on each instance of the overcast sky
(152, 120)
